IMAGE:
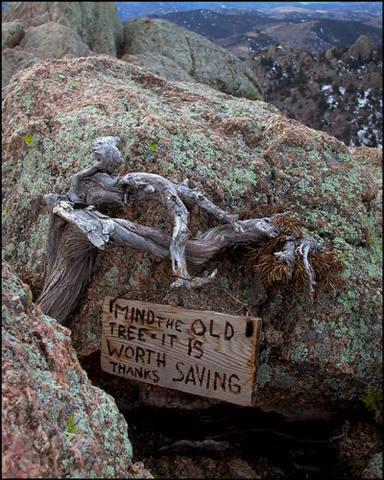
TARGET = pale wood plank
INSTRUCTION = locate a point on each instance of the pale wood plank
(205, 353)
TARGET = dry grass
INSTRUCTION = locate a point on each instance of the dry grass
(264, 210)
(287, 224)
(272, 271)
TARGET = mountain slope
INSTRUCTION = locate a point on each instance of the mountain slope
(313, 34)
(338, 91)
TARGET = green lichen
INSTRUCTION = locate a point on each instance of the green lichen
(299, 352)
(71, 425)
(109, 471)
(373, 400)
(264, 374)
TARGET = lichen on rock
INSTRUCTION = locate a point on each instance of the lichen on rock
(241, 154)
(193, 53)
(96, 23)
(54, 422)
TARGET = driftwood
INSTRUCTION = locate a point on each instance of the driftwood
(79, 230)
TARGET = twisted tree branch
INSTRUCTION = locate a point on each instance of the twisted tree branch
(79, 230)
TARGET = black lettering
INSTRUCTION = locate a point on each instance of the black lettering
(113, 351)
(171, 337)
(161, 362)
(112, 325)
(180, 379)
(149, 351)
(190, 378)
(234, 387)
(208, 377)
(122, 309)
(141, 334)
(130, 334)
(211, 330)
(249, 329)
(198, 327)
(229, 331)
(200, 375)
(113, 365)
(169, 323)
(147, 374)
(139, 372)
(132, 314)
(150, 317)
(131, 351)
(130, 371)
(195, 345)
(178, 325)
(222, 380)
(156, 377)
(141, 314)
(121, 368)
(121, 332)
(159, 320)
(140, 352)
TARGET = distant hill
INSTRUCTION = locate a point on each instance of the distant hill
(242, 31)
(364, 11)
(339, 91)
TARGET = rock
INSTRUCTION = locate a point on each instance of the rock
(374, 468)
(11, 34)
(180, 466)
(54, 422)
(50, 40)
(361, 449)
(53, 40)
(196, 55)
(159, 65)
(13, 60)
(363, 47)
(316, 356)
(96, 23)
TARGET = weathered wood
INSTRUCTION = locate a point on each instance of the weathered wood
(94, 190)
(205, 353)
(75, 262)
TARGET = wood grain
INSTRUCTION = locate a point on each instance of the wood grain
(200, 352)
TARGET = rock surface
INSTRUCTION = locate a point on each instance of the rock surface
(53, 40)
(196, 55)
(13, 60)
(159, 65)
(316, 357)
(11, 34)
(375, 467)
(49, 40)
(55, 424)
(96, 23)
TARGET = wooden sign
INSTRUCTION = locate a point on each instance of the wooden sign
(201, 352)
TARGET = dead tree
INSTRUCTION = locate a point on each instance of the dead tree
(78, 231)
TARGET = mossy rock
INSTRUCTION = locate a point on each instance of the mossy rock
(195, 54)
(316, 356)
